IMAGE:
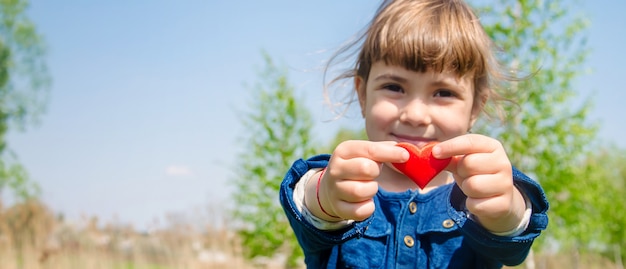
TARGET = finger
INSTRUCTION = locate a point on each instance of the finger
(355, 211)
(481, 163)
(465, 144)
(352, 199)
(381, 152)
(356, 191)
(483, 186)
(453, 166)
(493, 206)
(354, 169)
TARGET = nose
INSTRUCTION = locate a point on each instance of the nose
(415, 112)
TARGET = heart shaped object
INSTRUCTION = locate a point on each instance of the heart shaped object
(422, 166)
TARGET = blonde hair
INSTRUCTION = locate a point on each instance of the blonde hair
(422, 35)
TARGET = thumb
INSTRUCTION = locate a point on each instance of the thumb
(453, 165)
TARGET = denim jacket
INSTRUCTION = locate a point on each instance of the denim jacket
(412, 230)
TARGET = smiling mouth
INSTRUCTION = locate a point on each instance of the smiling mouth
(415, 140)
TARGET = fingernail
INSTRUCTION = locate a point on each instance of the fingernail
(405, 155)
(436, 150)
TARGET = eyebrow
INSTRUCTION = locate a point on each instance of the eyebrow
(445, 83)
(393, 77)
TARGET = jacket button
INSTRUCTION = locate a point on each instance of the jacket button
(412, 207)
(408, 241)
(448, 223)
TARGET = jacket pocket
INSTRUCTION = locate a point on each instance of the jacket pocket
(369, 250)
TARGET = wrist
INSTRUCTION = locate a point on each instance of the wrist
(316, 200)
(299, 194)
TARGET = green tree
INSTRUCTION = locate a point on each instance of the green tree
(551, 137)
(277, 133)
(605, 169)
(24, 82)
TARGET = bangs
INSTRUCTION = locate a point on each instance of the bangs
(427, 36)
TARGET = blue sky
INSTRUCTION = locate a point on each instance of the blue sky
(142, 119)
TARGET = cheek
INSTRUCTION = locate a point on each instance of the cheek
(380, 116)
(453, 122)
(383, 112)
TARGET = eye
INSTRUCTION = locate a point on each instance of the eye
(444, 93)
(393, 88)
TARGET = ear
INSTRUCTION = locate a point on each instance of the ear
(359, 87)
(478, 107)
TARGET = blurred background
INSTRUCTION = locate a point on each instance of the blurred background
(136, 124)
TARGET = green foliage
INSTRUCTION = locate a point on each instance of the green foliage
(277, 133)
(15, 177)
(604, 170)
(24, 82)
(551, 138)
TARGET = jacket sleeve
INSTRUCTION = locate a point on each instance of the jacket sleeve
(509, 251)
(316, 244)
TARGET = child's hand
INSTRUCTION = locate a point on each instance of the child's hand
(483, 171)
(347, 186)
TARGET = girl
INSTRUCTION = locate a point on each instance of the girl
(424, 72)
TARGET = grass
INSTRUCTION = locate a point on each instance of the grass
(31, 237)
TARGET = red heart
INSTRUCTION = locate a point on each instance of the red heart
(422, 166)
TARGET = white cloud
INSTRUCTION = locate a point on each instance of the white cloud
(178, 171)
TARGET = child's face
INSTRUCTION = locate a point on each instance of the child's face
(407, 106)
